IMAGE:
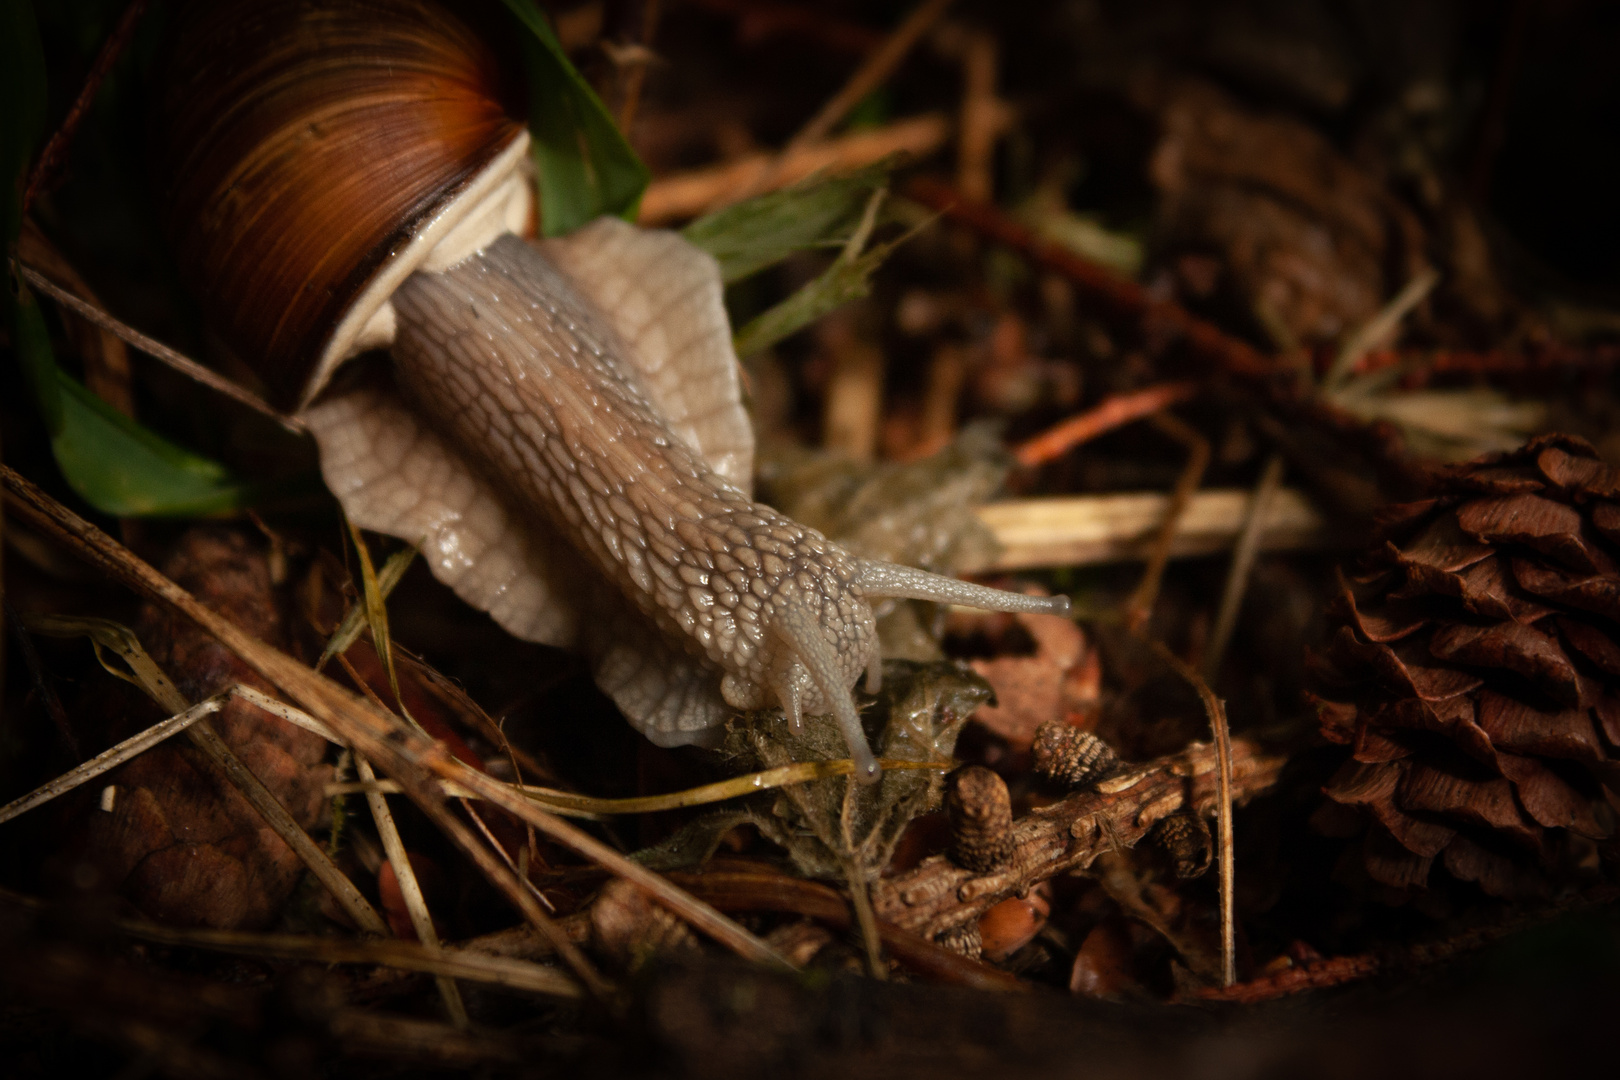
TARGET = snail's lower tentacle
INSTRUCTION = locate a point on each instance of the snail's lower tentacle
(796, 625)
(907, 582)
(787, 692)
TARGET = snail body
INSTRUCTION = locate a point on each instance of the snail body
(560, 429)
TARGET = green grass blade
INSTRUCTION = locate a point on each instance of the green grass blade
(118, 466)
(762, 231)
(586, 167)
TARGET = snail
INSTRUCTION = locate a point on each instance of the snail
(559, 427)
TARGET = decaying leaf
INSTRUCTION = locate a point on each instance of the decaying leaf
(175, 837)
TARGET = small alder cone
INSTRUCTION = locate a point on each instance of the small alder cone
(1473, 676)
(1184, 837)
(1070, 757)
(981, 819)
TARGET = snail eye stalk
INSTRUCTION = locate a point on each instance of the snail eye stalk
(908, 583)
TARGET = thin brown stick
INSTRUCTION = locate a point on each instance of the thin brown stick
(51, 158)
(106, 359)
(637, 74)
(112, 757)
(156, 349)
(1243, 556)
(688, 194)
(1124, 298)
(1139, 606)
(468, 808)
(860, 899)
(937, 895)
(408, 757)
(873, 72)
(983, 117)
(1215, 709)
(411, 889)
(457, 963)
(505, 880)
(1111, 413)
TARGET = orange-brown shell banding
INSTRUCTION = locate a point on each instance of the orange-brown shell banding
(306, 145)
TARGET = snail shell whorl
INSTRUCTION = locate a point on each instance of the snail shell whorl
(306, 142)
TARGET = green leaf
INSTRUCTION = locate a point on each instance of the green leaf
(585, 165)
(762, 231)
(848, 278)
(22, 108)
(843, 281)
(118, 466)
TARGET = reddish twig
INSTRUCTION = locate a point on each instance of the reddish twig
(1113, 412)
(1126, 299)
(1313, 975)
(50, 159)
(1311, 972)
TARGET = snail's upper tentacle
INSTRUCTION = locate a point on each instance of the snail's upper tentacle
(907, 582)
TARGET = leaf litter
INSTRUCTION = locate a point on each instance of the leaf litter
(1266, 287)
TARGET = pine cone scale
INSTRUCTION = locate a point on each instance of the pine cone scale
(1514, 647)
(1536, 522)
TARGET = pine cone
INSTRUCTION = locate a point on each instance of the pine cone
(1475, 676)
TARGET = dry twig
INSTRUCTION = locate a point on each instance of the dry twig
(1109, 414)
(1243, 556)
(1139, 606)
(411, 889)
(873, 72)
(635, 72)
(1084, 530)
(156, 349)
(51, 158)
(459, 963)
(688, 194)
(1126, 299)
(106, 359)
(1068, 835)
(1216, 711)
(760, 889)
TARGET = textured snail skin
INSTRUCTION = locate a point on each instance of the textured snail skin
(508, 361)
